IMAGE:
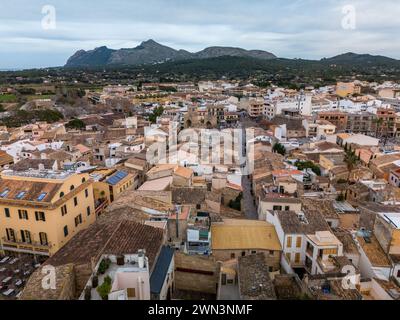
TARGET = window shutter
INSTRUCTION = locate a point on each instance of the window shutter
(20, 214)
(37, 216)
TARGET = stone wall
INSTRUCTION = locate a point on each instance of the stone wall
(64, 284)
(272, 260)
(82, 275)
(196, 273)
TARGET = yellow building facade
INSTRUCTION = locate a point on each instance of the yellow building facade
(110, 184)
(344, 89)
(41, 211)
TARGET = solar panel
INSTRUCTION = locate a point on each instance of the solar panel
(117, 177)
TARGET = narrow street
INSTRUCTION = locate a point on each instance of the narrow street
(250, 209)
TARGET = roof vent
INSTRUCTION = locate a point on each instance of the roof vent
(301, 216)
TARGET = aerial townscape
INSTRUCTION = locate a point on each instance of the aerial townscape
(93, 187)
(170, 159)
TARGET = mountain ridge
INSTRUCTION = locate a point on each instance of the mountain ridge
(152, 52)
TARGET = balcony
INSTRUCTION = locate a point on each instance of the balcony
(326, 265)
(34, 247)
(101, 207)
(310, 251)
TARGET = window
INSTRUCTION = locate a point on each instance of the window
(40, 216)
(271, 252)
(62, 194)
(131, 292)
(10, 235)
(287, 208)
(88, 211)
(7, 212)
(232, 256)
(253, 252)
(26, 236)
(289, 242)
(297, 258)
(398, 273)
(86, 193)
(23, 214)
(65, 231)
(43, 238)
(78, 220)
(72, 188)
(289, 256)
(298, 242)
(330, 251)
(75, 201)
(64, 210)
(277, 208)
(243, 253)
(83, 180)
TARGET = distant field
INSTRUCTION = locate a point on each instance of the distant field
(7, 98)
(36, 97)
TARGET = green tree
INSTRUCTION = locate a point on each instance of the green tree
(105, 288)
(302, 165)
(351, 161)
(76, 124)
(279, 148)
(237, 203)
(156, 113)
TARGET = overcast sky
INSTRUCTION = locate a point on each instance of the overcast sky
(291, 28)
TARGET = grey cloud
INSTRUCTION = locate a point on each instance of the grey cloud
(293, 28)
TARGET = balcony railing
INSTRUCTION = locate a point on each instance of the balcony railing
(101, 207)
(310, 252)
(19, 243)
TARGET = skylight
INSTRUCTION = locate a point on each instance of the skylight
(42, 196)
(20, 195)
(4, 193)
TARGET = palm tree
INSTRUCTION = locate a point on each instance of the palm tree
(389, 125)
(378, 122)
(351, 161)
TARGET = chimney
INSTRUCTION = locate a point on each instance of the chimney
(141, 259)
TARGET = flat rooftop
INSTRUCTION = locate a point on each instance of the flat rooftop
(374, 251)
(38, 174)
(393, 218)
